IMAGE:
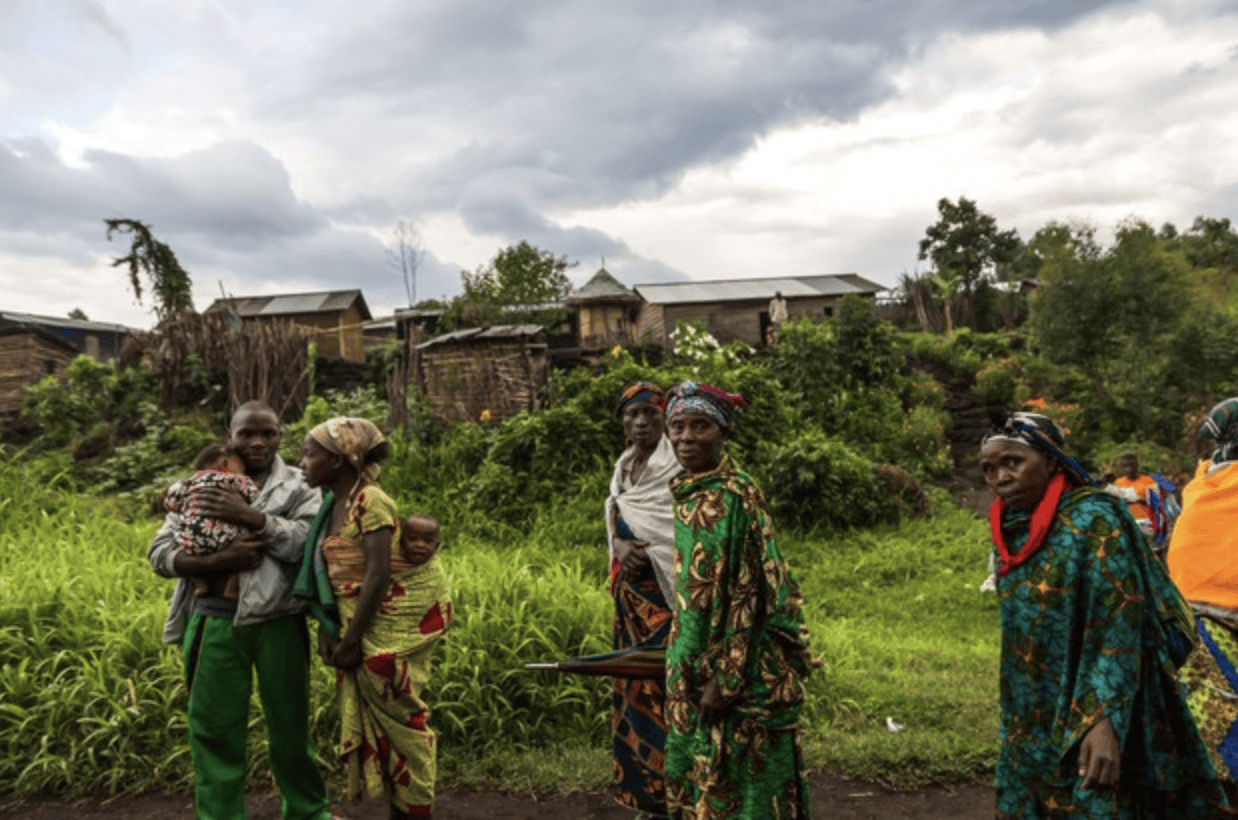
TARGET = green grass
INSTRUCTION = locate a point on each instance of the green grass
(90, 701)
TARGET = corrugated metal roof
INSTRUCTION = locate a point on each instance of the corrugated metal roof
(42, 333)
(738, 290)
(327, 301)
(494, 332)
(57, 321)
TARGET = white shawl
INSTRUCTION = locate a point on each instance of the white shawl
(649, 511)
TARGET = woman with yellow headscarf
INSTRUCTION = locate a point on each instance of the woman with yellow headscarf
(381, 612)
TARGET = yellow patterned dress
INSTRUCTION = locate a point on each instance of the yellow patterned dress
(386, 744)
(738, 619)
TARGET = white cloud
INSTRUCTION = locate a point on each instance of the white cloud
(274, 144)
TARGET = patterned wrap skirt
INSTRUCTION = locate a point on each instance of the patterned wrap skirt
(638, 723)
(386, 745)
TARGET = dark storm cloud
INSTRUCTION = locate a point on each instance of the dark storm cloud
(233, 192)
(616, 101)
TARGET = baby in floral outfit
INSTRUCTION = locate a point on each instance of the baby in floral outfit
(217, 466)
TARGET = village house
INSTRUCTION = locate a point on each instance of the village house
(604, 312)
(738, 309)
(99, 340)
(333, 319)
(481, 374)
(28, 354)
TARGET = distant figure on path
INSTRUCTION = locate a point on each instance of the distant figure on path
(738, 655)
(1133, 488)
(777, 314)
(226, 641)
(380, 612)
(640, 528)
(1094, 723)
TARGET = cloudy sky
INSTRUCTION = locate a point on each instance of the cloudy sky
(275, 145)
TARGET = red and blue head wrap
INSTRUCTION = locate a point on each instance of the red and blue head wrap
(1042, 433)
(638, 393)
(691, 397)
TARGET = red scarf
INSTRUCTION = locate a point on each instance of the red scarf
(1042, 520)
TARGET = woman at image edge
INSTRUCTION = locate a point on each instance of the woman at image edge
(738, 654)
(1093, 721)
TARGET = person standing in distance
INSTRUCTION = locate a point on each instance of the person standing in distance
(226, 641)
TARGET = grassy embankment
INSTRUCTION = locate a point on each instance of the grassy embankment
(91, 701)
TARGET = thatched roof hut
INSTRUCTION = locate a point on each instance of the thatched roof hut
(606, 312)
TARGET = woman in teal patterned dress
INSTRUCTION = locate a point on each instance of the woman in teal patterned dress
(738, 654)
(1094, 723)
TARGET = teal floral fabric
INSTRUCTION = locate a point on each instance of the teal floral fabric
(738, 620)
(1082, 640)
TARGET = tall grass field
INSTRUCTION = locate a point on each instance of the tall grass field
(91, 701)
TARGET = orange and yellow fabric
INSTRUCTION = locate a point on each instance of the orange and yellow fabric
(1140, 484)
(1203, 551)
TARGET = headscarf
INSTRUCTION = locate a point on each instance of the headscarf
(690, 397)
(1042, 433)
(1221, 427)
(638, 392)
(352, 438)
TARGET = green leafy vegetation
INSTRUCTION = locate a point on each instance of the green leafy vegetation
(91, 701)
(1125, 346)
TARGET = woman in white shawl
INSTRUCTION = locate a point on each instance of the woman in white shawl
(640, 525)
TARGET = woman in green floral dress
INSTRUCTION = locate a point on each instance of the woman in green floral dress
(738, 654)
(1093, 721)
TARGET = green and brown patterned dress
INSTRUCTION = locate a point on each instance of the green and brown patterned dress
(1081, 641)
(738, 618)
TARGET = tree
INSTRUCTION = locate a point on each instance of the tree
(1211, 243)
(406, 254)
(168, 280)
(79, 314)
(516, 285)
(965, 247)
(520, 275)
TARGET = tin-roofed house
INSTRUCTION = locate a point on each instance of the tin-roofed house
(482, 374)
(99, 340)
(334, 319)
(29, 354)
(738, 309)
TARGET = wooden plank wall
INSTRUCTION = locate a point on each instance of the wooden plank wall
(730, 321)
(25, 359)
(482, 381)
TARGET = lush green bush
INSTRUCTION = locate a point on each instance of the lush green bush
(65, 412)
(815, 482)
(964, 352)
(998, 381)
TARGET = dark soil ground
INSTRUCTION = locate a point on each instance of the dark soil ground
(832, 797)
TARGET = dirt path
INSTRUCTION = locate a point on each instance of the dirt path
(832, 797)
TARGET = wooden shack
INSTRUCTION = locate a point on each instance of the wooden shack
(606, 312)
(482, 374)
(333, 319)
(27, 356)
(738, 309)
(99, 340)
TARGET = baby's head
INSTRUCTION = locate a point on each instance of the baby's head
(419, 538)
(220, 458)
